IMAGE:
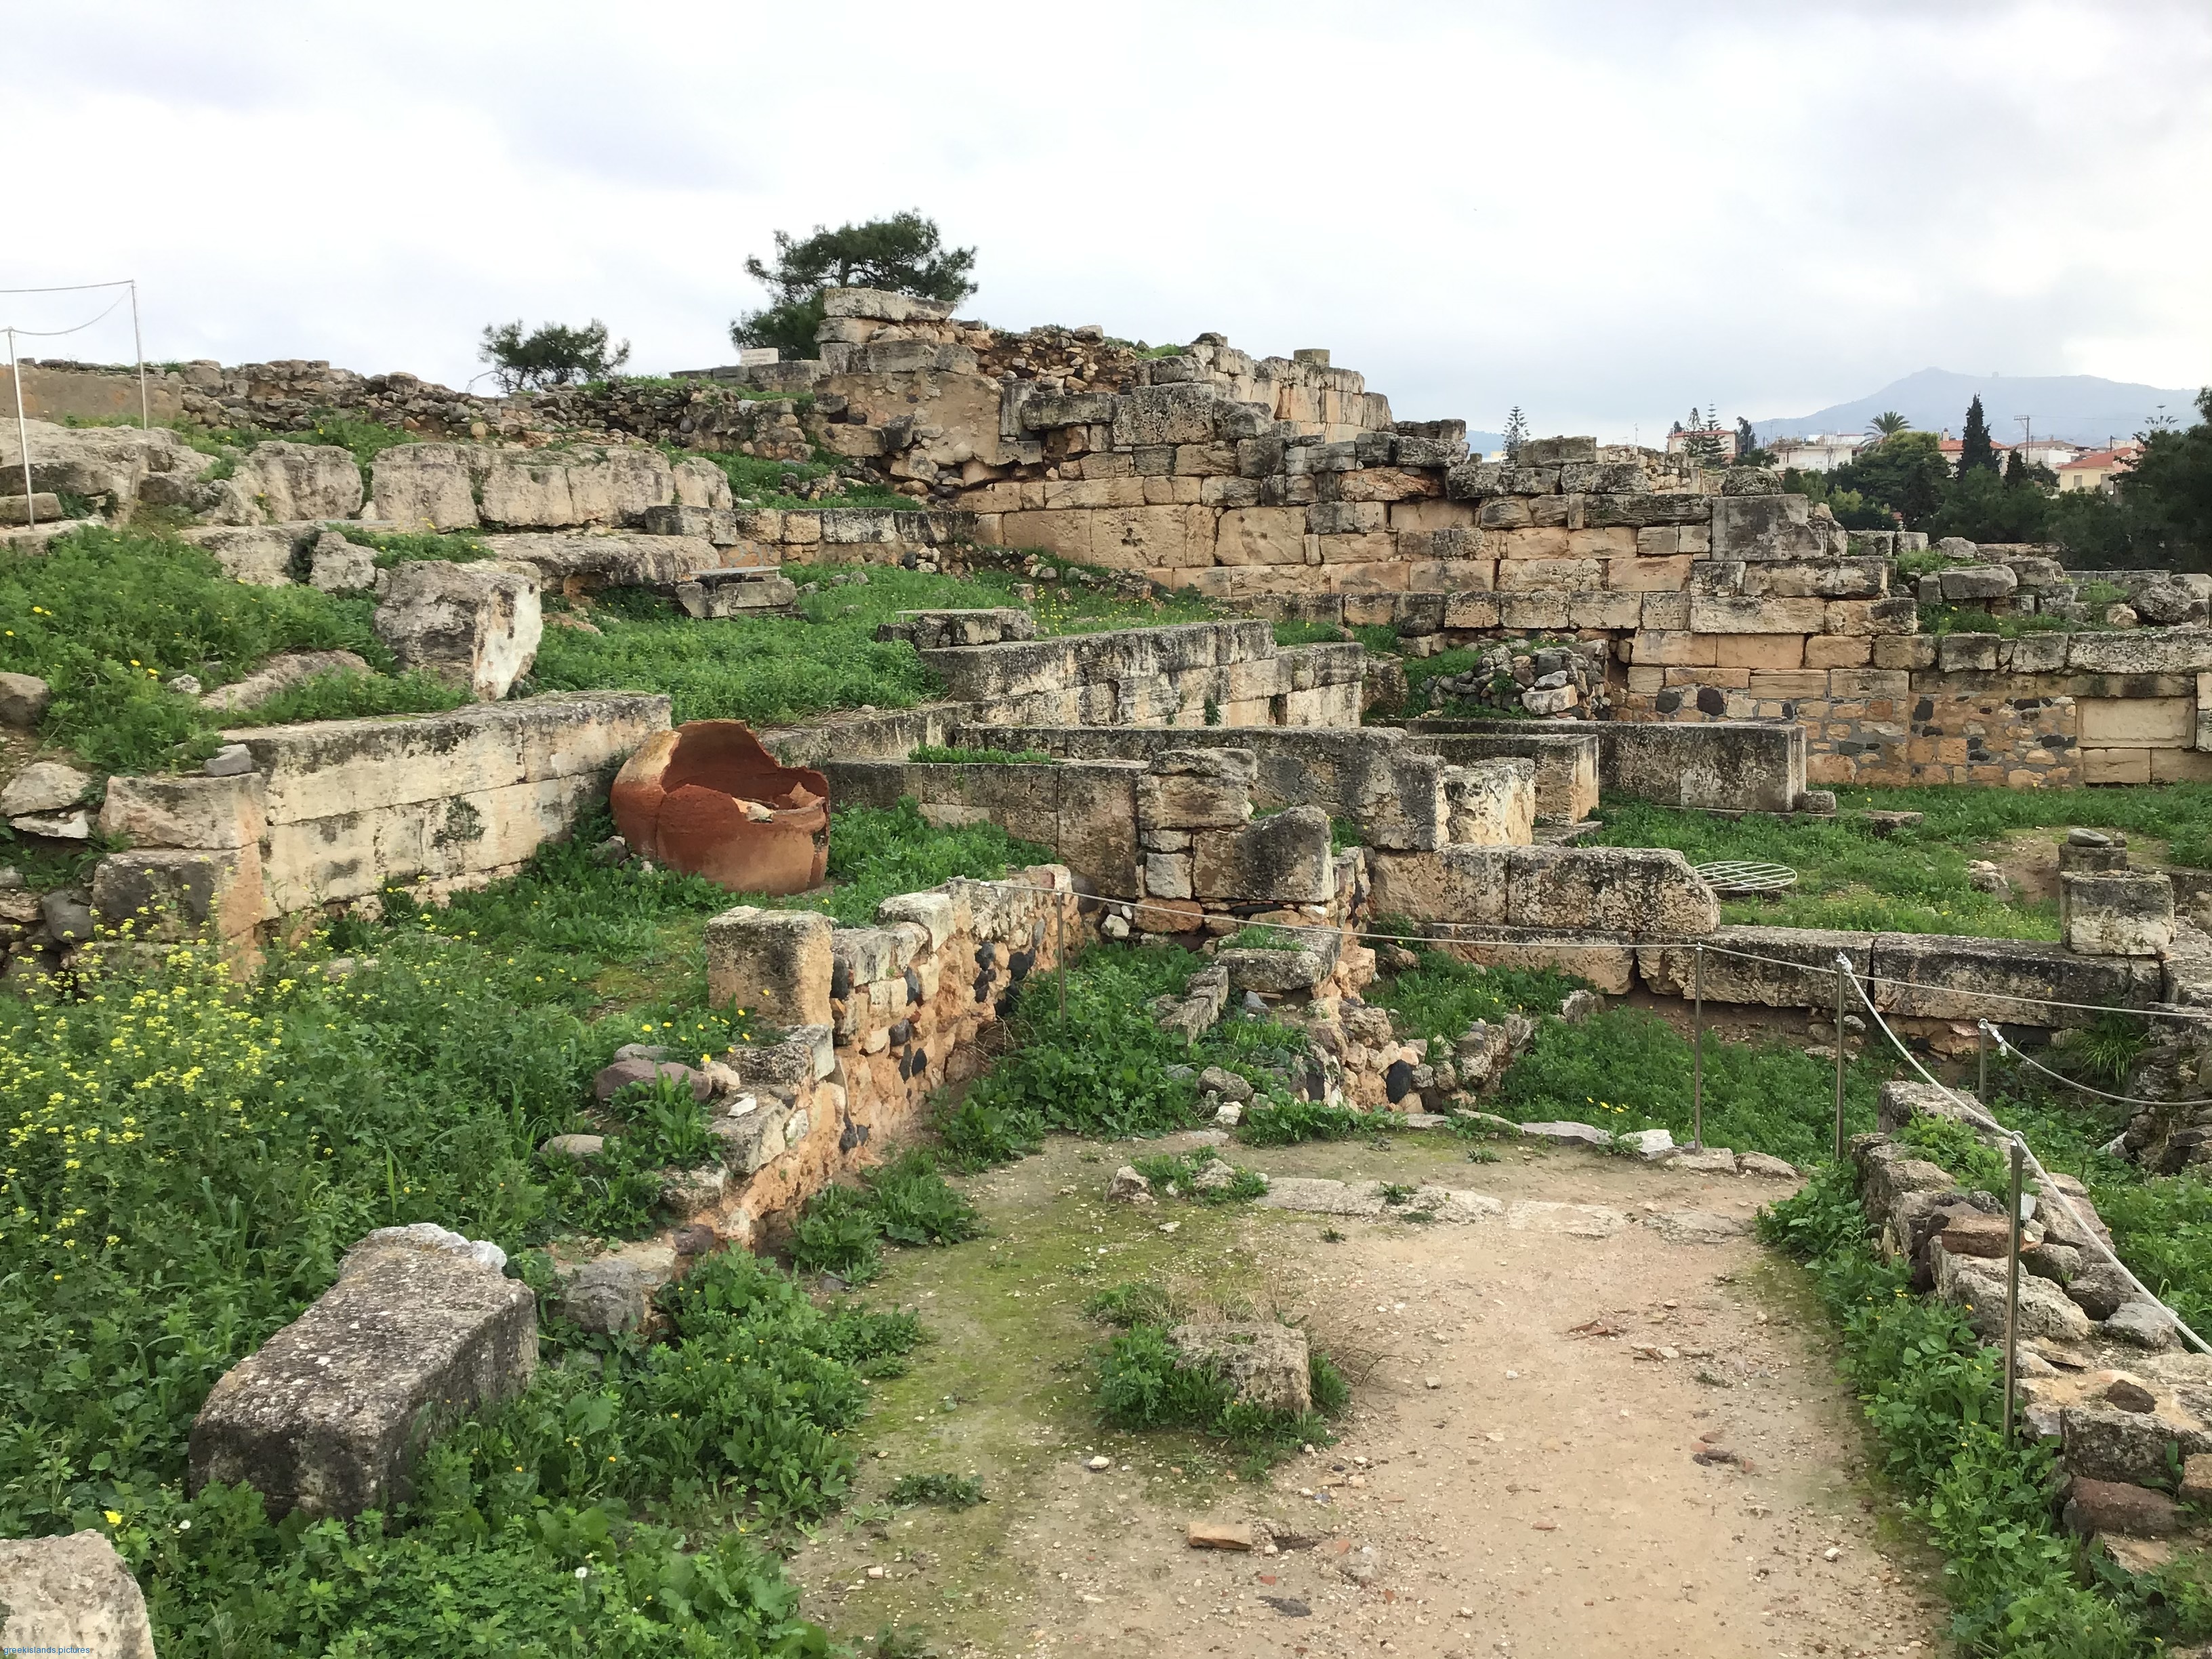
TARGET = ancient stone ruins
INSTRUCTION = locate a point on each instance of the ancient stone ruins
(1648, 630)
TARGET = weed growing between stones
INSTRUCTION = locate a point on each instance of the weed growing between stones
(1176, 1175)
(1441, 996)
(875, 852)
(1107, 1069)
(351, 695)
(400, 547)
(936, 754)
(1287, 1123)
(1933, 1394)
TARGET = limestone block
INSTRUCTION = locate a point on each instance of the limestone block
(880, 305)
(1454, 883)
(1795, 970)
(1773, 530)
(1474, 481)
(1978, 581)
(71, 1593)
(1533, 611)
(1968, 653)
(1639, 891)
(476, 625)
(2115, 765)
(1829, 651)
(24, 699)
(1905, 653)
(1604, 610)
(1976, 1286)
(2204, 711)
(1667, 613)
(1284, 857)
(1647, 509)
(338, 566)
(1346, 517)
(1556, 452)
(294, 482)
(1477, 610)
(1846, 579)
(1490, 803)
(1183, 802)
(1504, 512)
(778, 963)
(1178, 414)
(178, 892)
(1526, 574)
(328, 1415)
(2137, 722)
(1669, 648)
(1723, 615)
(2119, 914)
(1934, 977)
(425, 486)
(2166, 651)
(701, 484)
(1261, 535)
(43, 787)
(258, 556)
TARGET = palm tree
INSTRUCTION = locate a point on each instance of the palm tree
(1889, 424)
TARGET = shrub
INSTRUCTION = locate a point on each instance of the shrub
(905, 1201)
(1441, 996)
(1134, 1301)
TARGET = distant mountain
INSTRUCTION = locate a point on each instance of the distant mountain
(2079, 408)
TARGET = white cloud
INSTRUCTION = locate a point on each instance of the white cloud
(1600, 212)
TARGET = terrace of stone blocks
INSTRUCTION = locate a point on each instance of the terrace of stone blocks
(1192, 675)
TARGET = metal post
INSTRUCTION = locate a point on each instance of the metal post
(1843, 965)
(2012, 1292)
(22, 432)
(1059, 954)
(1698, 1048)
(1981, 1064)
(138, 345)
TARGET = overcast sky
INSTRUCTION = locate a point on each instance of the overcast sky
(1600, 212)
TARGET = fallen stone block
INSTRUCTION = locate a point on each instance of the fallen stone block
(71, 1594)
(1266, 1365)
(329, 1415)
(2115, 1506)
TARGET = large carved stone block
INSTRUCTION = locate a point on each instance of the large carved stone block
(329, 1415)
(473, 625)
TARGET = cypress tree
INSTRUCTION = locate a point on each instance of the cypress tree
(1975, 449)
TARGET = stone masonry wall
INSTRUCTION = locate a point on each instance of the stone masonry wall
(335, 812)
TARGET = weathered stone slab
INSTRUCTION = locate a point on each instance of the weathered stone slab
(329, 1415)
(1266, 1364)
(473, 625)
(778, 963)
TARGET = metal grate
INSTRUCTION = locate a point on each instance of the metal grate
(1740, 875)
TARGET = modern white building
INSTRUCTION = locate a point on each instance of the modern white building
(1824, 452)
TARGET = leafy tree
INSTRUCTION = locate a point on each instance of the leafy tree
(1905, 475)
(1983, 507)
(1889, 424)
(1516, 433)
(903, 254)
(1977, 452)
(554, 354)
(2167, 497)
(1852, 510)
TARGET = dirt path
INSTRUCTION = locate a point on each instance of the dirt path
(1519, 1472)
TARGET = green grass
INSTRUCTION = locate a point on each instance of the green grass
(758, 482)
(1626, 1069)
(1941, 619)
(1142, 1385)
(104, 617)
(842, 1229)
(877, 853)
(774, 670)
(1913, 882)
(1309, 632)
(398, 547)
(351, 695)
(2179, 814)
(1181, 1171)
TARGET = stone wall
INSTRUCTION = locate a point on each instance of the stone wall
(1730, 766)
(335, 812)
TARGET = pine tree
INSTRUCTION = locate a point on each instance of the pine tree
(1516, 433)
(1975, 448)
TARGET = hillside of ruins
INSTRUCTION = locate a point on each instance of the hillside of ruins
(1002, 991)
